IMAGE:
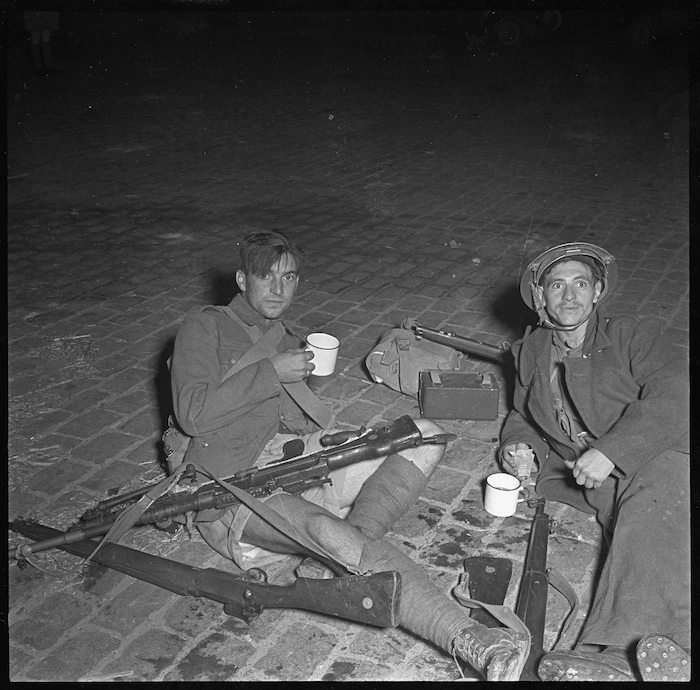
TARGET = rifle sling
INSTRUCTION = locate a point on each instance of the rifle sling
(557, 580)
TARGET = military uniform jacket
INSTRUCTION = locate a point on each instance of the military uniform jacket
(630, 389)
(230, 421)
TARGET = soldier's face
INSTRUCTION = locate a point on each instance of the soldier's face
(570, 292)
(272, 294)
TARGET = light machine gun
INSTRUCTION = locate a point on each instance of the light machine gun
(497, 353)
(292, 475)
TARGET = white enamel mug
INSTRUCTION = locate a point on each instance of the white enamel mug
(503, 494)
(325, 349)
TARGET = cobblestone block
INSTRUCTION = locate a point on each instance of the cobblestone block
(102, 448)
(340, 330)
(87, 424)
(432, 666)
(74, 658)
(444, 485)
(47, 419)
(388, 644)
(130, 608)
(295, 657)
(449, 546)
(380, 394)
(358, 413)
(216, 658)
(343, 388)
(144, 424)
(148, 454)
(418, 521)
(349, 669)
(113, 475)
(130, 402)
(147, 656)
(17, 662)
(53, 479)
(43, 629)
(124, 379)
(357, 348)
(189, 617)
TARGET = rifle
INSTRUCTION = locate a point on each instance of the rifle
(497, 353)
(371, 599)
(531, 606)
(292, 475)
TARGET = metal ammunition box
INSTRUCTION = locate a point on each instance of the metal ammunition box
(457, 395)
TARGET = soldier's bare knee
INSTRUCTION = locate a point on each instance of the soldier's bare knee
(428, 427)
(425, 457)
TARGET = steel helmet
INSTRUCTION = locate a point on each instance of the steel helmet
(603, 263)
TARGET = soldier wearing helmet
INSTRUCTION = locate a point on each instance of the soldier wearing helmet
(601, 401)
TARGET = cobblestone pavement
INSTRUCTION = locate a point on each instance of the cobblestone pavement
(420, 182)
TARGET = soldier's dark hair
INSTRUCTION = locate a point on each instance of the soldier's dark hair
(261, 250)
(597, 270)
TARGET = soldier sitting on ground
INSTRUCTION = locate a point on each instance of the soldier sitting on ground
(603, 403)
(244, 420)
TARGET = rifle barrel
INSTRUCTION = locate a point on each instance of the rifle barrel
(498, 353)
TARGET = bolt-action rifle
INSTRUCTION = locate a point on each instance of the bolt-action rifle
(370, 599)
(292, 475)
(497, 353)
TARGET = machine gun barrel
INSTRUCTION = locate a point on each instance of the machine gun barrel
(497, 353)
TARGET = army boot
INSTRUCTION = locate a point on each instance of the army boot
(498, 654)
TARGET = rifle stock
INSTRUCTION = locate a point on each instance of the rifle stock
(370, 599)
(531, 605)
(497, 353)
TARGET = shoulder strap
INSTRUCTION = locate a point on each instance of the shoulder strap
(262, 348)
(253, 331)
(265, 345)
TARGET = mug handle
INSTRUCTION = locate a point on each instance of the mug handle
(526, 491)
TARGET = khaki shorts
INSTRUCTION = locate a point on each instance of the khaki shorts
(224, 534)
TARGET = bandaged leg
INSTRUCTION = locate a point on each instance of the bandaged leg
(387, 496)
(497, 653)
(389, 493)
